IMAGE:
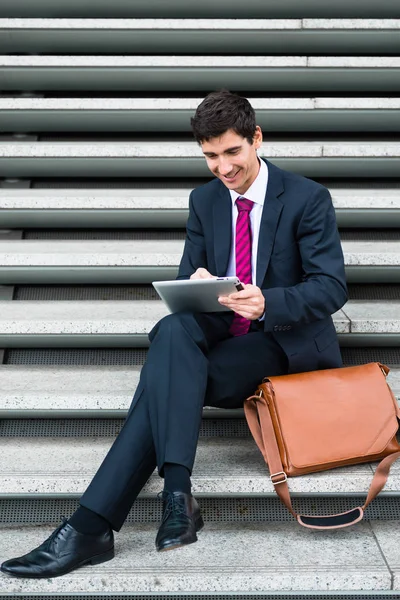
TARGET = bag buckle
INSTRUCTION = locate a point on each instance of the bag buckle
(281, 474)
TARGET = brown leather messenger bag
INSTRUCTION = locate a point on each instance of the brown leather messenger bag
(320, 420)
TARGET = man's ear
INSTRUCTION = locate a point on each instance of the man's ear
(257, 137)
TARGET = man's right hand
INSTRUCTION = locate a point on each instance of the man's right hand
(202, 274)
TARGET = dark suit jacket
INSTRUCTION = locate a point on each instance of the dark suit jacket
(300, 267)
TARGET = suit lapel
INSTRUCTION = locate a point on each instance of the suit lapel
(222, 217)
(269, 221)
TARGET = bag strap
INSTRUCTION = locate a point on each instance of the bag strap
(260, 423)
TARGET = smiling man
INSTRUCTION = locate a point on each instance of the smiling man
(277, 232)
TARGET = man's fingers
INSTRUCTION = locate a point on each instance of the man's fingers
(231, 301)
(202, 273)
(242, 295)
(250, 291)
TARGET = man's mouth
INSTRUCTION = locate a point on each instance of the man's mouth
(230, 178)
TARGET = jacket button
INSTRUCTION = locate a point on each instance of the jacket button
(289, 327)
(275, 327)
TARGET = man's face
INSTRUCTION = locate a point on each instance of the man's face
(232, 159)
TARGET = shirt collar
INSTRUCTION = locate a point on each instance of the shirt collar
(257, 190)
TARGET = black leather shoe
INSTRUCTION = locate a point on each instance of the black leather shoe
(65, 550)
(180, 522)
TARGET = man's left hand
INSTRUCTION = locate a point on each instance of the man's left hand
(249, 303)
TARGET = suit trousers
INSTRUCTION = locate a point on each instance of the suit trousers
(192, 361)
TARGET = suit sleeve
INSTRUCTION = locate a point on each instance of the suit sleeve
(323, 290)
(194, 253)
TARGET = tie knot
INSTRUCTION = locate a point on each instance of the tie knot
(244, 205)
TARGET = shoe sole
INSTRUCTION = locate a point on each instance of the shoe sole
(199, 524)
(94, 560)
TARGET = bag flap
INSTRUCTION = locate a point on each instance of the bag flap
(334, 415)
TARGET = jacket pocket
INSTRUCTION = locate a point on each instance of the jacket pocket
(325, 338)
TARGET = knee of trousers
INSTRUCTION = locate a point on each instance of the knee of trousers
(176, 322)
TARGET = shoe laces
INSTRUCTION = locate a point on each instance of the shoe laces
(57, 532)
(171, 504)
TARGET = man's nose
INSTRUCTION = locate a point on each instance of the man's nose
(224, 167)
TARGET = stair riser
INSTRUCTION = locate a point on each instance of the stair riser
(154, 167)
(223, 41)
(201, 79)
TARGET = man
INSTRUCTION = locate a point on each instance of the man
(277, 232)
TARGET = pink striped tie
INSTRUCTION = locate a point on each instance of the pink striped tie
(240, 325)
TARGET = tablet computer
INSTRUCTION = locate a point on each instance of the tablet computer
(196, 295)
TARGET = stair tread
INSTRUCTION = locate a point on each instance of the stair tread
(42, 387)
(171, 24)
(66, 465)
(162, 149)
(115, 61)
(109, 317)
(229, 557)
(167, 104)
(155, 252)
(127, 317)
(168, 199)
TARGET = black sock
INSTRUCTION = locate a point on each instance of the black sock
(88, 522)
(176, 478)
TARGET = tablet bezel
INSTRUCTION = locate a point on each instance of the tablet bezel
(196, 295)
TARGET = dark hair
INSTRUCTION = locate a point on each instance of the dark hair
(220, 111)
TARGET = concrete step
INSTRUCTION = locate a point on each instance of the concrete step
(185, 159)
(126, 324)
(183, 36)
(207, 9)
(60, 466)
(287, 559)
(144, 261)
(200, 73)
(355, 207)
(173, 114)
(50, 391)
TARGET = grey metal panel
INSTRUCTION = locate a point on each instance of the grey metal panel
(155, 79)
(76, 341)
(189, 167)
(118, 356)
(206, 8)
(358, 291)
(141, 341)
(356, 355)
(353, 217)
(101, 426)
(369, 339)
(6, 292)
(364, 274)
(102, 218)
(366, 595)
(213, 41)
(352, 234)
(265, 509)
(51, 275)
(216, 413)
(359, 120)
(165, 218)
(155, 235)
(93, 275)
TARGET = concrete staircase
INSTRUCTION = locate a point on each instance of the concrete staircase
(96, 164)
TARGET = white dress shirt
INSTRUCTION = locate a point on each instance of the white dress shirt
(255, 193)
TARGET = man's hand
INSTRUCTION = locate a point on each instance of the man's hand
(249, 303)
(202, 274)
